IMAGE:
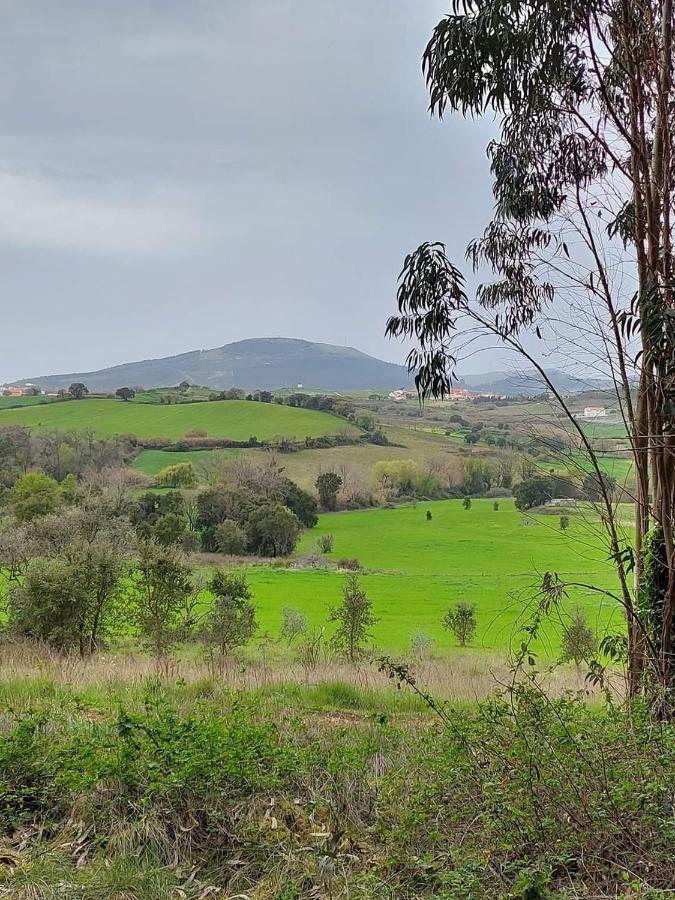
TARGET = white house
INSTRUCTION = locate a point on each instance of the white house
(595, 412)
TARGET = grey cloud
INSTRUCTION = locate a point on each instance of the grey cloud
(177, 175)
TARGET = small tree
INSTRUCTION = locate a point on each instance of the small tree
(354, 619)
(579, 643)
(230, 538)
(231, 621)
(460, 619)
(328, 484)
(125, 393)
(429, 516)
(78, 391)
(466, 503)
(273, 530)
(564, 523)
(495, 506)
(161, 586)
(71, 601)
(420, 645)
(293, 625)
(534, 491)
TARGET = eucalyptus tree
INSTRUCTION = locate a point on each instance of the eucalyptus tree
(582, 166)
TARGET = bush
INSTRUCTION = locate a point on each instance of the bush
(461, 621)
(324, 543)
(352, 565)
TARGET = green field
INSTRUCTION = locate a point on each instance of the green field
(17, 402)
(236, 420)
(153, 461)
(416, 569)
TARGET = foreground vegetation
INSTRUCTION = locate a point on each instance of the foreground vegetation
(191, 790)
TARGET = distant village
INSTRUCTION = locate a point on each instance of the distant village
(28, 390)
(455, 394)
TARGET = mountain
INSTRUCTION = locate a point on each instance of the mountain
(264, 363)
(530, 383)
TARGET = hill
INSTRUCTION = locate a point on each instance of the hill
(236, 420)
(265, 363)
(530, 383)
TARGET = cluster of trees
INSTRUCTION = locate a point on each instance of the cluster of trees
(439, 478)
(249, 507)
(58, 453)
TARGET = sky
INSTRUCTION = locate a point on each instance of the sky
(179, 175)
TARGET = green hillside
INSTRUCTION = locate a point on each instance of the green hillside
(233, 419)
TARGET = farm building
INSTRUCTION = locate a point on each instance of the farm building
(595, 412)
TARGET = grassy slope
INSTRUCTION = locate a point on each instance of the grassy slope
(234, 419)
(419, 568)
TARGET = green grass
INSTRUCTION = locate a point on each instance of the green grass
(153, 461)
(18, 402)
(233, 419)
(417, 569)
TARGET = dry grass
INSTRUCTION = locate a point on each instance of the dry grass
(466, 677)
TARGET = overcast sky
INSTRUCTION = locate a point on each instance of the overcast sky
(180, 174)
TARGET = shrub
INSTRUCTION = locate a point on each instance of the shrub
(564, 523)
(352, 565)
(460, 619)
(324, 543)
(466, 503)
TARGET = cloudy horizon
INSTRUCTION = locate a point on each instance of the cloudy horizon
(180, 179)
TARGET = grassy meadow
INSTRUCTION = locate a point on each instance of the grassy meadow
(415, 569)
(232, 419)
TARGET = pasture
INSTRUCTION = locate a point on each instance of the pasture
(27, 400)
(236, 420)
(415, 569)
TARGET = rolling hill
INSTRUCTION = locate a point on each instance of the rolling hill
(264, 363)
(235, 420)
